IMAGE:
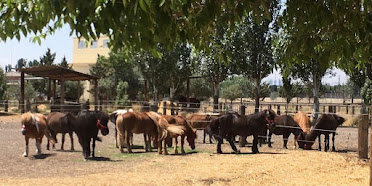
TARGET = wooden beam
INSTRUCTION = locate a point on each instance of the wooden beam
(22, 92)
(95, 94)
(62, 92)
(54, 91)
(49, 88)
(79, 92)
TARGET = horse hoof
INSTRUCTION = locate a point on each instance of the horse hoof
(25, 155)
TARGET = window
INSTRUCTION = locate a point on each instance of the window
(105, 45)
(94, 44)
(81, 44)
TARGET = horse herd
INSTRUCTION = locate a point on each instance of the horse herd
(163, 129)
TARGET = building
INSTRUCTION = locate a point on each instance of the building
(84, 56)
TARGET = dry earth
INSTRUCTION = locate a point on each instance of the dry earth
(200, 167)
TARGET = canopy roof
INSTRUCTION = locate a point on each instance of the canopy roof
(55, 72)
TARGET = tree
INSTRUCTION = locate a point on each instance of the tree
(289, 90)
(21, 63)
(230, 89)
(200, 89)
(72, 90)
(139, 24)
(64, 63)
(366, 92)
(3, 85)
(121, 93)
(48, 58)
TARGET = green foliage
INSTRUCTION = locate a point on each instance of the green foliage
(14, 92)
(64, 63)
(72, 89)
(48, 58)
(366, 92)
(289, 90)
(231, 89)
(200, 89)
(3, 85)
(121, 93)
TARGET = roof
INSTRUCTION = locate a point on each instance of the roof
(55, 72)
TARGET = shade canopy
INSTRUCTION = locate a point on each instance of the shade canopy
(55, 72)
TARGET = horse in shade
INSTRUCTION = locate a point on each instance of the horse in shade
(284, 125)
(87, 126)
(231, 124)
(35, 126)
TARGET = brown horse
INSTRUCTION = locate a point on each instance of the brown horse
(61, 123)
(35, 126)
(201, 121)
(135, 122)
(303, 121)
(326, 124)
(190, 132)
(166, 130)
(284, 125)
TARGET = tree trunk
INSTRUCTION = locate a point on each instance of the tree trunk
(316, 84)
(155, 93)
(215, 96)
(257, 96)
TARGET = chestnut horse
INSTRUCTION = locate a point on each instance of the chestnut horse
(190, 132)
(231, 124)
(135, 122)
(113, 116)
(201, 121)
(303, 121)
(284, 125)
(326, 124)
(35, 126)
(166, 130)
(61, 123)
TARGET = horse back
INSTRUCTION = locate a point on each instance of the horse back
(303, 121)
(35, 124)
(199, 121)
(137, 122)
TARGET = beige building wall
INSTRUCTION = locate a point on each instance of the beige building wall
(84, 56)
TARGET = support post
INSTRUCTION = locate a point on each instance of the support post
(49, 88)
(22, 102)
(363, 137)
(95, 94)
(242, 110)
(6, 106)
(62, 93)
(54, 91)
(145, 90)
(164, 108)
(278, 110)
(79, 92)
(188, 92)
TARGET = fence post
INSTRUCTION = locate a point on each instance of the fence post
(6, 106)
(164, 108)
(330, 109)
(242, 110)
(278, 110)
(363, 136)
(347, 109)
(296, 108)
(352, 110)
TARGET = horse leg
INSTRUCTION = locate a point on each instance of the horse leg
(285, 140)
(205, 134)
(160, 147)
(55, 137)
(72, 141)
(165, 147)
(230, 139)
(175, 145)
(116, 134)
(182, 143)
(320, 146)
(93, 147)
(269, 140)
(255, 143)
(326, 142)
(38, 149)
(210, 138)
(333, 142)
(25, 154)
(146, 144)
(47, 146)
(242, 141)
(220, 141)
(127, 138)
(63, 141)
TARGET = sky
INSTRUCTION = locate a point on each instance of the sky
(61, 44)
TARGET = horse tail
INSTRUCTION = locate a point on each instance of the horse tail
(120, 130)
(48, 134)
(175, 130)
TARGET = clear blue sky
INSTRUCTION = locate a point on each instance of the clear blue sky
(61, 44)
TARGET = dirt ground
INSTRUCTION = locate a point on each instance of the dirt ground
(199, 167)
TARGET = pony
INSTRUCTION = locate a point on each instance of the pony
(61, 123)
(231, 124)
(303, 121)
(166, 130)
(135, 122)
(284, 125)
(35, 126)
(326, 124)
(113, 116)
(190, 132)
(202, 121)
(87, 126)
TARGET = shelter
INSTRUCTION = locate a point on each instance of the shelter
(53, 73)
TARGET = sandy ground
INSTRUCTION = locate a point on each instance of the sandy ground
(199, 167)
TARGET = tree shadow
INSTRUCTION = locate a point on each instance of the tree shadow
(42, 156)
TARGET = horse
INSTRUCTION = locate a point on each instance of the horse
(35, 126)
(113, 117)
(231, 124)
(201, 121)
(166, 130)
(326, 124)
(284, 125)
(303, 121)
(87, 126)
(190, 132)
(61, 123)
(135, 122)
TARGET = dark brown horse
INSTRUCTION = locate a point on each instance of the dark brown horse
(61, 123)
(284, 125)
(231, 124)
(138, 123)
(35, 126)
(326, 124)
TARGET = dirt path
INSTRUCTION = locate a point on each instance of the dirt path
(201, 167)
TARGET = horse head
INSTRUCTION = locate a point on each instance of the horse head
(340, 120)
(191, 139)
(102, 120)
(270, 117)
(302, 141)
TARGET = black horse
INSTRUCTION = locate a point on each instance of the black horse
(87, 126)
(284, 125)
(231, 124)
